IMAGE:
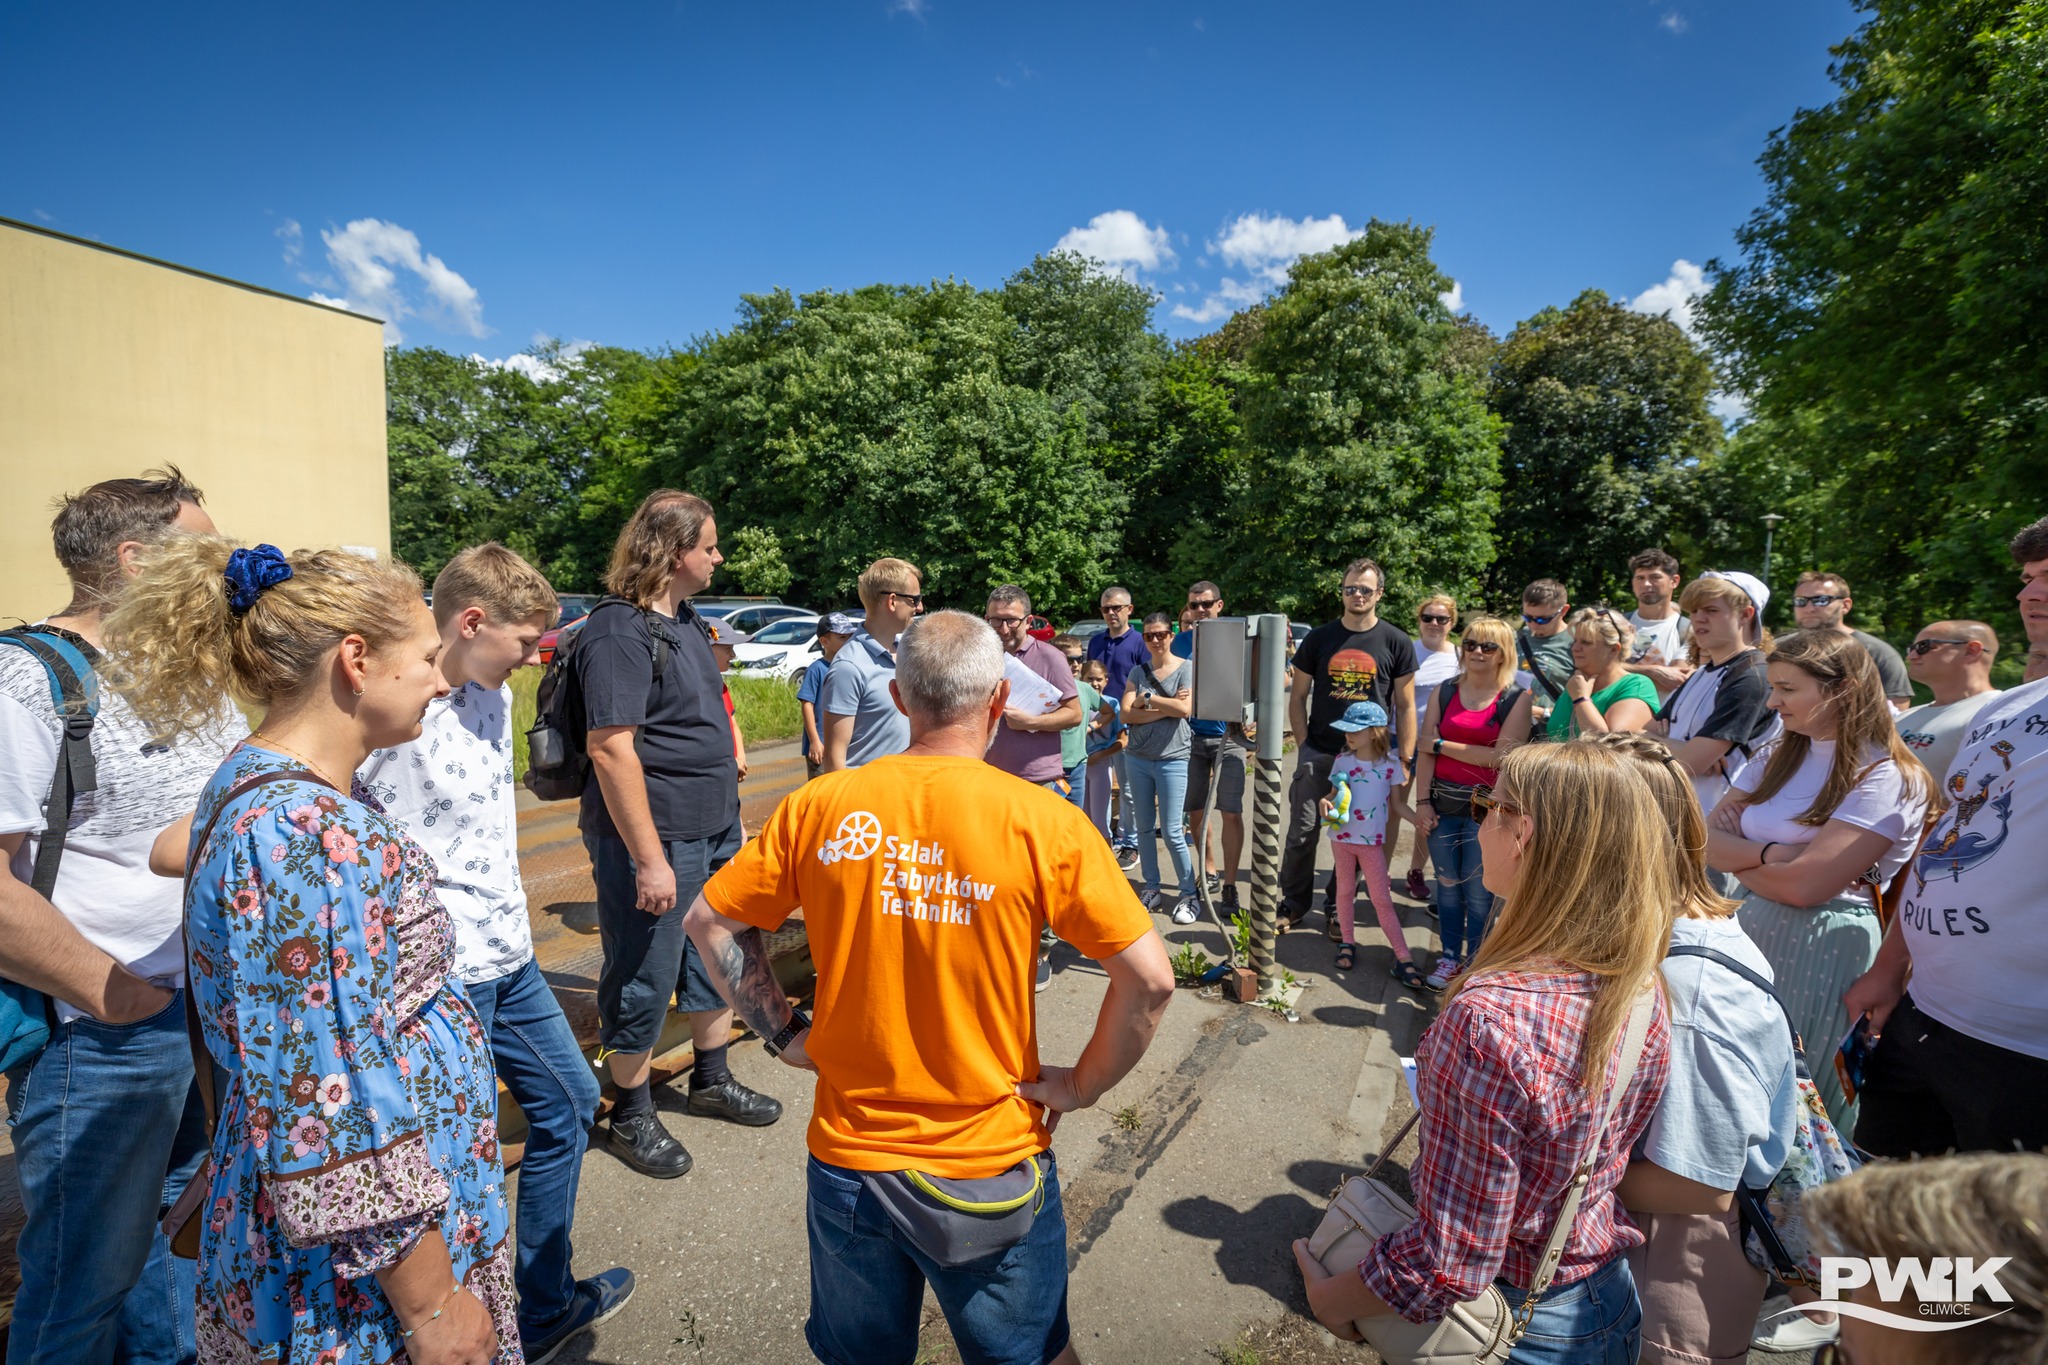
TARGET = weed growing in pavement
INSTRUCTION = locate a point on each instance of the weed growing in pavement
(692, 1336)
(1241, 935)
(1189, 964)
(1127, 1118)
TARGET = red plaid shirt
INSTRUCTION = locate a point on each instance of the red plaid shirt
(1504, 1125)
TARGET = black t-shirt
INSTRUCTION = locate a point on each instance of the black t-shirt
(1724, 701)
(684, 737)
(1347, 666)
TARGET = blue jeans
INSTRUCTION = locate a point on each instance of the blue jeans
(1126, 815)
(542, 1067)
(867, 1283)
(648, 959)
(1462, 900)
(108, 1129)
(1594, 1321)
(1077, 786)
(1159, 789)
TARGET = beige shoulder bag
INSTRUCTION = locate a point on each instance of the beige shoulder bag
(1479, 1331)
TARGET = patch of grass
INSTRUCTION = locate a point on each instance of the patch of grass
(1188, 965)
(1128, 1118)
(766, 710)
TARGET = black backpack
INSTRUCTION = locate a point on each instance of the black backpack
(557, 763)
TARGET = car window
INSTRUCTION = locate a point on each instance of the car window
(787, 633)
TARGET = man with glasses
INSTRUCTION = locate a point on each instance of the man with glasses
(1543, 647)
(1119, 649)
(1027, 745)
(1356, 657)
(1821, 601)
(862, 721)
(1951, 659)
(1218, 754)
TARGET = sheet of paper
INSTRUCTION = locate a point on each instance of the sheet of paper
(1029, 693)
(1408, 1074)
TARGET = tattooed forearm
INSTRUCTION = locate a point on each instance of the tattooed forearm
(748, 981)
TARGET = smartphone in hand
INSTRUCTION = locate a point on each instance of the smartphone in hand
(1854, 1055)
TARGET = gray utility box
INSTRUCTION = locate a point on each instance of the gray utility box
(1223, 668)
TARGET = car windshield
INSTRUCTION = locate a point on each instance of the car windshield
(787, 633)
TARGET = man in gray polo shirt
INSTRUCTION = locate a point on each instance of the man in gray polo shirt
(861, 719)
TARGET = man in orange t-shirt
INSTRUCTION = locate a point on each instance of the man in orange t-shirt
(926, 878)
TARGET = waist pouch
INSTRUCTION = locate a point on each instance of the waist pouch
(1451, 798)
(956, 1222)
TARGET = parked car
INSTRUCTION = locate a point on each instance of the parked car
(746, 613)
(755, 616)
(780, 649)
(1087, 626)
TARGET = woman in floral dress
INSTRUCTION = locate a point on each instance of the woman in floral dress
(356, 1210)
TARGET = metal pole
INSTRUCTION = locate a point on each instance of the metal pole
(1771, 520)
(1269, 712)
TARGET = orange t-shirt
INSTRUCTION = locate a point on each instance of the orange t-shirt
(925, 882)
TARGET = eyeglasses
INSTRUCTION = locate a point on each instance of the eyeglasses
(1108, 607)
(1158, 634)
(1358, 590)
(1819, 599)
(1539, 620)
(916, 599)
(1928, 646)
(1000, 621)
(1481, 647)
(1429, 620)
(1485, 802)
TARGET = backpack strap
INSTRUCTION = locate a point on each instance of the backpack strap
(1752, 977)
(660, 636)
(1525, 644)
(1505, 703)
(74, 692)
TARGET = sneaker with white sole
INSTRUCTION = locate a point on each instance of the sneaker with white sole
(1441, 974)
(1185, 911)
(1126, 856)
(1795, 1332)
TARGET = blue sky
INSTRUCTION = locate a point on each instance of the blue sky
(622, 172)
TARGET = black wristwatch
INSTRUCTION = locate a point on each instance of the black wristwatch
(1436, 746)
(798, 1022)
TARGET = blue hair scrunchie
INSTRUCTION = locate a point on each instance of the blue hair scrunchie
(250, 572)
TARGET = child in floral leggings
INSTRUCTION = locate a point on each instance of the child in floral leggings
(1365, 784)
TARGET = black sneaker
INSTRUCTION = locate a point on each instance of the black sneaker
(1230, 904)
(1127, 856)
(642, 1143)
(1044, 972)
(597, 1299)
(735, 1103)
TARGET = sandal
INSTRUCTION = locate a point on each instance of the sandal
(1405, 973)
(1347, 956)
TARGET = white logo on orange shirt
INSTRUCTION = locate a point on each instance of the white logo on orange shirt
(857, 838)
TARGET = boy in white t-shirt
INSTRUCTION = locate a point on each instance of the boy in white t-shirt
(453, 790)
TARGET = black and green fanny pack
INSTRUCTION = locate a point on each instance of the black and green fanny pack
(956, 1222)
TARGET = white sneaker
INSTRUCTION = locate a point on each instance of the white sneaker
(1184, 911)
(1795, 1332)
(1441, 974)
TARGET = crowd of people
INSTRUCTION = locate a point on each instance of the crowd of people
(261, 987)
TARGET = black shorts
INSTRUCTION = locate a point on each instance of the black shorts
(648, 959)
(1223, 755)
(1929, 1089)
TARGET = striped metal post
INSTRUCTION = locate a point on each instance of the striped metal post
(1269, 710)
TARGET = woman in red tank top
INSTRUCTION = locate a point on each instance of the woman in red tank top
(1471, 724)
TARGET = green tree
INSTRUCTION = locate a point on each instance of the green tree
(1891, 304)
(1365, 434)
(1607, 419)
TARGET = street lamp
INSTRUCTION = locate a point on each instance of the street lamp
(1771, 520)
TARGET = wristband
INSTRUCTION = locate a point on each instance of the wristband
(1436, 746)
(1763, 858)
(407, 1336)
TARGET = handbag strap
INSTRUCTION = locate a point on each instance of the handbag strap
(195, 1037)
(1637, 1034)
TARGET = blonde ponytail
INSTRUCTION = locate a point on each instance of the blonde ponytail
(176, 648)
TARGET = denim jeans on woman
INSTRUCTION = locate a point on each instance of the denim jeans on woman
(1462, 901)
(1159, 788)
(107, 1130)
(1594, 1321)
(543, 1068)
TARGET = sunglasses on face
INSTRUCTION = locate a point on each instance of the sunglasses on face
(1539, 620)
(916, 599)
(1205, 603)
(1159, 635)
(1436, 620)
(1485, 803)
(1076, 660)
(1820, 599)
(1121, 607)
(1358, 590)
(1919, 648)
(1481, 647)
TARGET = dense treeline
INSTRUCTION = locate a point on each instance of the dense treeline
(1885, 323)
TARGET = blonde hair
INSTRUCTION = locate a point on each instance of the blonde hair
(1438, 599)
(667, 523)
(1603, 626)
(176, 648)
(1983, 1205)
(1489, 629)
(1863, 722)
(1672, 786)
(509, 589)
(1729, 594)
(885, 576)
(1379, 741)
(1596, 892)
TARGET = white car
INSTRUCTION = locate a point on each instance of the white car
(780, 649)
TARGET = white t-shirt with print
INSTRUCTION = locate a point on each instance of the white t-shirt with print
(1878, 802)
(453, 791)
(1935, 731)
(1371, 784)
(1668, 640)
(1975, 911)
(104, 885)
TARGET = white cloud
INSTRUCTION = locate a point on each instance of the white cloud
(1454, 297)
(1674, 297)
(318, 297)
(1267, 245)
(916, 9)
(294, 239)
(532, 365)
(1122, 241)
(1673, 22)
(44, 216)
(368, 255)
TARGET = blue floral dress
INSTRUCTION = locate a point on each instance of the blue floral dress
(360, 1110)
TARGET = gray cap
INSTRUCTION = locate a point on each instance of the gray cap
(838, 623)
(726, 633)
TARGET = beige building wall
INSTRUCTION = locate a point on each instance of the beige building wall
(111, 363)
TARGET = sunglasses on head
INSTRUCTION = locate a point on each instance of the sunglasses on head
(1429, 619)
(1481, 647)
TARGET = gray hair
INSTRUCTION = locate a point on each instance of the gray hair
(947, 664)
(1114, 590)
(1012, 594)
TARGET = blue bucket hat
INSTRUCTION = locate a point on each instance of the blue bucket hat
(1360, 715)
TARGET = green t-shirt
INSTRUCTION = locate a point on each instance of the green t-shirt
(1631, 685)
(1074, 741)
